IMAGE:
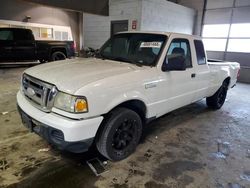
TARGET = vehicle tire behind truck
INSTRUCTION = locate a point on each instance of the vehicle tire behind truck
(57, 56)
(120, 134)
(42, 61)
(217, 100)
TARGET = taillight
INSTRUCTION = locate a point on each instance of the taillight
(73, 46)
(238, 74)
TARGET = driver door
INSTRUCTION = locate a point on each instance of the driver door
(6, 45)
(24, 48)
(177, 88)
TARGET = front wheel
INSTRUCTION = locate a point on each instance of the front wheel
(120, 134)
(217, 100)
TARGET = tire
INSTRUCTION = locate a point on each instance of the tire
(57, 56)
(120, 134)
(217, 100)
(42, 60)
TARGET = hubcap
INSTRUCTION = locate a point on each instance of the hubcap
(124, 134)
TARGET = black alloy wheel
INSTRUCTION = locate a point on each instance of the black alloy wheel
(217, 100)
(120, 134)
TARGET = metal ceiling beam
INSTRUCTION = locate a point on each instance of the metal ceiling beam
(91, 6)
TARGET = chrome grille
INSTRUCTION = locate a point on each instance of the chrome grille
(39, 93)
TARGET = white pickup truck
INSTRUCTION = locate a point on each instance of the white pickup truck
(105, 101)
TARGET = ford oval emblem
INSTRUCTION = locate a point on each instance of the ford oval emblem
(30, 92)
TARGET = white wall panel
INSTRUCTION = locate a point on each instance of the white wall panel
(240, 3)
(126, 10)
(96, 30)
(220, 16)
(243, 58)
(215, 55)
(241, 15)
(161, 15)
(215, 4)
(198, 6)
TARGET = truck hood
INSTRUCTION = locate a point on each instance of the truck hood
(71, 75)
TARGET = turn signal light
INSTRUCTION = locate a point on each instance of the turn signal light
(81, 105)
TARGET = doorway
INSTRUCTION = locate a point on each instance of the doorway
(118, 26)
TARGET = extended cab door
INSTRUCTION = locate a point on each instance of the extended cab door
(176, 88)
(202, 73)
(24, 48)
(6, 45)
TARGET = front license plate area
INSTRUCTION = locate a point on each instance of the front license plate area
(27, 122)
(31, 124)
(36, 126)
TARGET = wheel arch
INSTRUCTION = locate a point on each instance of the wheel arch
(58, 49)
(134, 104)
(227, 80)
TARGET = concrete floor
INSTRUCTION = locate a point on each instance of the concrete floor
(190, 147)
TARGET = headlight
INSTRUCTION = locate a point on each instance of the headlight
(71, 103)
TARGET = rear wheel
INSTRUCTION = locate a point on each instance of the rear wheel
(217, 100)
(57, 56)
(120, 134)
(42, 60)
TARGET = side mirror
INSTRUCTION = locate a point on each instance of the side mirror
(174, 64)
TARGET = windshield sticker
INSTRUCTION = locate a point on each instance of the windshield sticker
(150, 45)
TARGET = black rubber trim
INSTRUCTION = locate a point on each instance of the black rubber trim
(148, 120)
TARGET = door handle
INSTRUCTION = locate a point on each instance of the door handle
(193, 75)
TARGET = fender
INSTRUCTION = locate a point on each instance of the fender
(128, 96)
(58, 47)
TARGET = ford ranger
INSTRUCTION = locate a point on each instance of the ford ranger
(106, 100)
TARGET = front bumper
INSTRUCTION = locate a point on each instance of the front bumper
(67, 134)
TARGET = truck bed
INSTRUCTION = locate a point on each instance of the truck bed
(232, 69)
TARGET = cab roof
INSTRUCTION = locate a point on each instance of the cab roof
(168, 34)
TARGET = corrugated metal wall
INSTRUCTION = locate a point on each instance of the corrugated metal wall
(224, 12)
(230, 12)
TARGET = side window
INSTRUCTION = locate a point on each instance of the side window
(200, 52)
(23, 35)
(6, 35)
(29, 35)
(180, 47)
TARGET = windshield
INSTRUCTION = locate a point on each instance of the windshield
(136, 48)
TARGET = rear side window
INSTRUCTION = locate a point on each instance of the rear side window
(180, 47)
(23, 34)
(200, 52)
(6, 35)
